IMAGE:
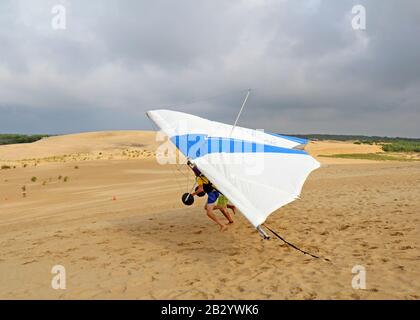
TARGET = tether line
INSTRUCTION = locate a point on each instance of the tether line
(293, 246)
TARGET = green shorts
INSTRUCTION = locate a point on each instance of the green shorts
(222, 201)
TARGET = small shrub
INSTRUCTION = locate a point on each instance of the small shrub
(65, 179)
(19, 138)
(401, 146)
(5, 167)
(367, 156)
(33, 179)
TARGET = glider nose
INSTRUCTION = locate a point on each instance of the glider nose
(149, 114)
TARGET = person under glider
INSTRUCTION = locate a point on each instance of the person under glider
(204, 185)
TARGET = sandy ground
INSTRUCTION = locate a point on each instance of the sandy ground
(104, 209)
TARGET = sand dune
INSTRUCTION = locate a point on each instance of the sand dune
(325, 148)
(89, 142)
(117, 225)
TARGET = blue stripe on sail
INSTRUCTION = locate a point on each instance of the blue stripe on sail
(198, 145)
(294, 139)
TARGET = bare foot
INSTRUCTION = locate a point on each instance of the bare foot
(229, 222)
(223, 228)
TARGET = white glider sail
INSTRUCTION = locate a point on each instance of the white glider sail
(258, 172)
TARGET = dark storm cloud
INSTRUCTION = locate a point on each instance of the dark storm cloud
(310, 71)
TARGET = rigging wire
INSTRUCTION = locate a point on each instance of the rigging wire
(240, 111)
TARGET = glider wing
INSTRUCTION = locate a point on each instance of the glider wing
(257, 171)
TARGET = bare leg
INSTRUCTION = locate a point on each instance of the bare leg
(212, 216)
(226, 214)
(232, 207)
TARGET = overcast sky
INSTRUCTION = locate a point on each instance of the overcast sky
(310, 71)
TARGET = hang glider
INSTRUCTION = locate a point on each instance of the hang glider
(258, 172)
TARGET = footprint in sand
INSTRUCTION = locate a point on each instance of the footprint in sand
(406, 247)
(296, 290)
(87, 258)
(129, 260)
(394, 234)
(408, 229)
(240, 289)
(344, 227)
(310, 296)
(238, 261)
(103, 242)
